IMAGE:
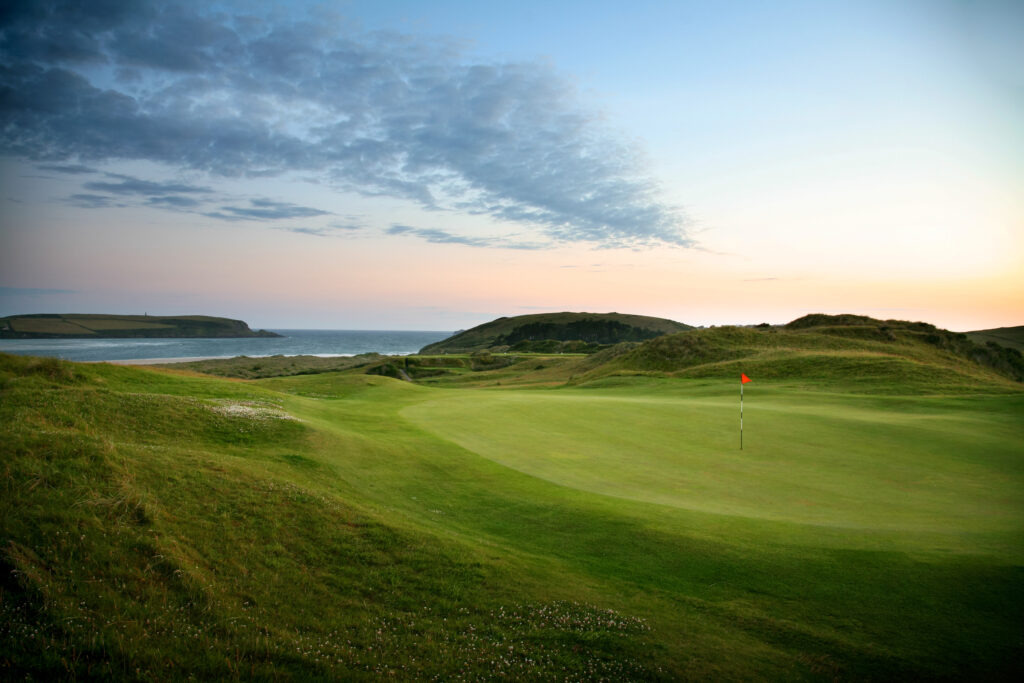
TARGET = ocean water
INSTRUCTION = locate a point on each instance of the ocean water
(293, 343)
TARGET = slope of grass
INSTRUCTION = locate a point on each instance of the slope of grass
(162, 525)
(158, 526)
(838, 352)
(1012, 337)
(600, 328)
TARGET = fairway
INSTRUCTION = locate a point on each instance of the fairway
(930, 466)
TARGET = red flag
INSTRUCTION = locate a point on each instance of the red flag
(744, 379)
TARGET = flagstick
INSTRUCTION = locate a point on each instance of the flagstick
(741, 414)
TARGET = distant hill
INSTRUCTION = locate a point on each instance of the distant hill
(97, 326)
(844, 350)
(531, 332)
(1012, 337)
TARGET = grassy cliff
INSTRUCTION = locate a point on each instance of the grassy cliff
(95, 326)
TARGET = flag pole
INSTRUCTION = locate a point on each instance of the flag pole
(743, 380)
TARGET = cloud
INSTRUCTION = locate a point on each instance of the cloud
(128, 185)
(92, 201)
(316, 232)
(173, 202)
(351, 223)
(164, 195)
(73, 169)
(33, 291)
(438, 236)
(265, 210)
(378, 114)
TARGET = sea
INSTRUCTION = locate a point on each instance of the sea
(324, 343)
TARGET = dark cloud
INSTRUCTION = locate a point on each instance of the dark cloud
(127, 185)
(173, 202)
(378, 114)
(71, 169)
(92, 201)
(266, 210)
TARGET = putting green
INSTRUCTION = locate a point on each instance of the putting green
(913, 465)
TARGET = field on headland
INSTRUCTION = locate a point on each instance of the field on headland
(524, 516)
(105, 326)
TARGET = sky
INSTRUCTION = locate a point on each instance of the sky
(435, 165)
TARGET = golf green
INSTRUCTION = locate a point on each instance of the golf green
(908, 465)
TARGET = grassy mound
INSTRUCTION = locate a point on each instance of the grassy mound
(532, 332)
(843, 352)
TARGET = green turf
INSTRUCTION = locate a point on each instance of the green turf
(927, 465)
(160, 525)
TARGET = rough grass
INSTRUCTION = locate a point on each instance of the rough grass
(244, 367)
(879, 357)
(158, 525)
(153, 531)
(558, 326)
(1012, 337)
